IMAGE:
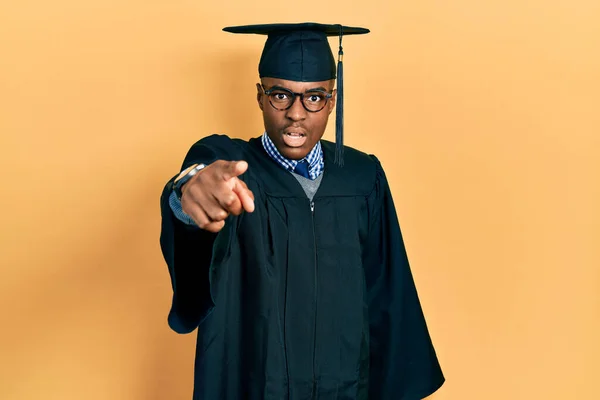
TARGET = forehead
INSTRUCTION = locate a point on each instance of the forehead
(296, 86)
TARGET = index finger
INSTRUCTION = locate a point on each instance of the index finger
(234, 169)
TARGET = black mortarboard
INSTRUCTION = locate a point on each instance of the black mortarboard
(301, 52)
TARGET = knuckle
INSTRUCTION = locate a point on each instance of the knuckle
(229, 199)
(221, 215)
(218, 215)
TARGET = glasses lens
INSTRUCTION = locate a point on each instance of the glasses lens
(315, 101)
(280, 99)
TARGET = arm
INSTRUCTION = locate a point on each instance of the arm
(403, 362)
(175, 205)
(188, 250)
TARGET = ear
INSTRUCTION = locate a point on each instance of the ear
(259, 95)
(331, 103)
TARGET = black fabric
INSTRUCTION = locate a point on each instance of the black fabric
(300, 299)
(297, 52)
(298, 56)
(268, 29)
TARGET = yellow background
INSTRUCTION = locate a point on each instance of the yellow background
(485, 114)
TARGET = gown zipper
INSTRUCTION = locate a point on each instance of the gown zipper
(312, 213)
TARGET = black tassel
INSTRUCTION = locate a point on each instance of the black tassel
(339, 115)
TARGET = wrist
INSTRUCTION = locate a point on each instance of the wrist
(184, 177)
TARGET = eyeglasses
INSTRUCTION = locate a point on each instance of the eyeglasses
(313, 100)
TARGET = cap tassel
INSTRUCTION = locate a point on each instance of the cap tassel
(339, 117)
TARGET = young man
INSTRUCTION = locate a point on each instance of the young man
(285, 251)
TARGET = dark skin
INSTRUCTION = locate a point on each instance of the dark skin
(216, 191)
(312, 124)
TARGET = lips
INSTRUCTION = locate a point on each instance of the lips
(294, 137)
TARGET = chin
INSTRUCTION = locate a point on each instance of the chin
(294, 154)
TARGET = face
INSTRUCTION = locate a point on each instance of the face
(294, 131)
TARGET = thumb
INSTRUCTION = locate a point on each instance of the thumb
(234, 169)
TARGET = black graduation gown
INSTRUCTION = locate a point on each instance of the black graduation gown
(300, 299)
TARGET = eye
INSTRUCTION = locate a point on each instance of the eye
(280, 96)
(315, 97)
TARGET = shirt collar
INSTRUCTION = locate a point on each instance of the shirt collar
(314, 158)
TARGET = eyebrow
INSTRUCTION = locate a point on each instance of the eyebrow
(320, 88)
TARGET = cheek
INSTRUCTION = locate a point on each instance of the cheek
(321, 121)
(271, 120)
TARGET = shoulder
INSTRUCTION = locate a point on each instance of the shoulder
(353, 157)
(221, 141)
(216, 147)
(350, 153)
(361, 172)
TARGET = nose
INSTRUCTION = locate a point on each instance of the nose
(296, 112)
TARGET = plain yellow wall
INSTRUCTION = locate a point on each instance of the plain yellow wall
(485, 114)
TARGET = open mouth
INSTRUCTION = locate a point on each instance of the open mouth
(294, 139)
(294, 134)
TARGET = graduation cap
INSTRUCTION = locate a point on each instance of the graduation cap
(301, 53)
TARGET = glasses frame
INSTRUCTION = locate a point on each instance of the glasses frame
(294, 95)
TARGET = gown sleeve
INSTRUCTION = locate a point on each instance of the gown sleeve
(403, 362)
(188, 250)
